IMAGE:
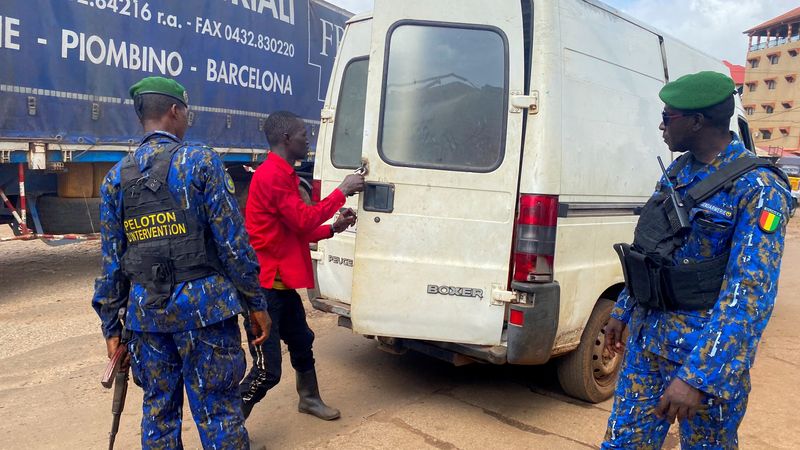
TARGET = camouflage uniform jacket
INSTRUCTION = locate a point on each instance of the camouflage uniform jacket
(197, 180)
(716, 347)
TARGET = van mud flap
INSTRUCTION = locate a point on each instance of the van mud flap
(531, 343)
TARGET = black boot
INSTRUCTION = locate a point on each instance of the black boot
(310, 401)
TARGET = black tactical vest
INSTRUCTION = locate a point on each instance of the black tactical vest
(166, 244)
(652, 277)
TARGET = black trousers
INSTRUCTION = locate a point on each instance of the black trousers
(289, 325)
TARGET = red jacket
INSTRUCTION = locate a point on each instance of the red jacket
(281, 224)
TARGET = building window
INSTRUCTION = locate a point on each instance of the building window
(786, 105)
(793, 53)
(790, 78)
(769, 109)
(784, 132)
(773, 59)
(765, 134)
(749, 110)
(753, 63)
(751, 87)
(770, 84)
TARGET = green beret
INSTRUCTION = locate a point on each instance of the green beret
(697, 91)
(160, 85)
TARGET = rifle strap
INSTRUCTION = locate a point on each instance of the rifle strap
(725, 177)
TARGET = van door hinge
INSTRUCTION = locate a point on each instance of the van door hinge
(529, 102)
(500, 296)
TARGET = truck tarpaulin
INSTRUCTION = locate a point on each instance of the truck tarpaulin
(66, 65)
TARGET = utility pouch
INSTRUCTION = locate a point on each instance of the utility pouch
(644, 279)
(694, 286)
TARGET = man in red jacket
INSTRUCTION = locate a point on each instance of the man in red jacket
(281, 225)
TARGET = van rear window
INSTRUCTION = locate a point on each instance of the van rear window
(445, 98)
(349, 124)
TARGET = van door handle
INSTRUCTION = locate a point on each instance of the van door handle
(379, 197)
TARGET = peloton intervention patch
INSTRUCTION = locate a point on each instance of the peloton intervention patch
(154, 226)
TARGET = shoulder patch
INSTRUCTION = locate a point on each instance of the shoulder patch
(769, 220)
(229, 184)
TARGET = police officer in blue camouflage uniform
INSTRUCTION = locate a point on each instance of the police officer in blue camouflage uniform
(176, 255)
(699, 289)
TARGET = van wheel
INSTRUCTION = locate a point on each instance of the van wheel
(589, 373)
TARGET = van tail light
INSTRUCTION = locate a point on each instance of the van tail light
(516, 317)
(535, 241)
(316, 191)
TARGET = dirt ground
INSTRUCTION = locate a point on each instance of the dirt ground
(52, 356)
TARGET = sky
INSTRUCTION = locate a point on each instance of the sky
(713, 26)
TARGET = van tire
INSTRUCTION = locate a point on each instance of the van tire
(60, 215)
(585, 374)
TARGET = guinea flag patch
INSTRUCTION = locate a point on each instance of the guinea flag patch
(769, 220)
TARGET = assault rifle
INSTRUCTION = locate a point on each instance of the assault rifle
(116, 375)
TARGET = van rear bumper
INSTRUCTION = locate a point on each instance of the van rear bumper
(532, 342)
(529, 344)
(455, 353)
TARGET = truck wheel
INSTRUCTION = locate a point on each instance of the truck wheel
(61, 215)
(589, 373)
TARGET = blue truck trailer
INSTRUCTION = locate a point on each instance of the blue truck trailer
(65, 69)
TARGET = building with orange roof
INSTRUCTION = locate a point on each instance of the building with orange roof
(771, 94)
(737, 73)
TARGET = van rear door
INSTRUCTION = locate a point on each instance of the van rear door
(443, 145)
(339, 153)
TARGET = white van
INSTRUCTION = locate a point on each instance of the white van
(509, 144)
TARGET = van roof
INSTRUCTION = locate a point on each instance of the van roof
(647, 27)
(599, 4)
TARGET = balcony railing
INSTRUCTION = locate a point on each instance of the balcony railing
(774, 42)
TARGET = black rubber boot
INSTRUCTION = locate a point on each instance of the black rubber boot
(310, 401)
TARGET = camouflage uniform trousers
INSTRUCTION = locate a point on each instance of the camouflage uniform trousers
(633, 423)
(209, 362)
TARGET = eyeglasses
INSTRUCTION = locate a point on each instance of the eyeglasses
(666, 118)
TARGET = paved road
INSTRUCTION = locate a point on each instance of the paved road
(52, 354)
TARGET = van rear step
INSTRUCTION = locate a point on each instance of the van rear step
(456, 354)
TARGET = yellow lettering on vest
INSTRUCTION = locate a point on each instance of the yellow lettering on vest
(152, 226)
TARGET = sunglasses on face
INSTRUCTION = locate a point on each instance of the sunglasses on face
(667, 118)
